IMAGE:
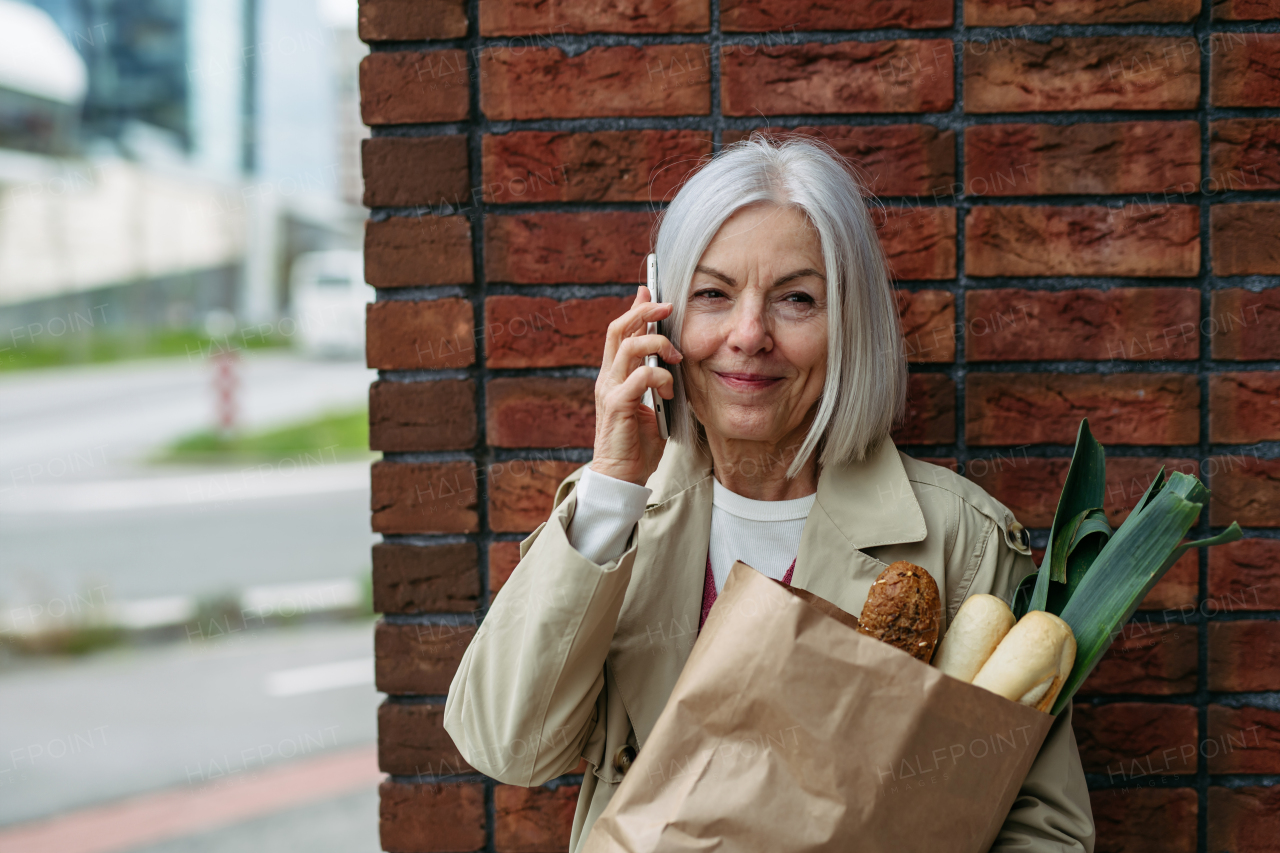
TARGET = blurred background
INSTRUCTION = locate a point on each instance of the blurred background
(185, 646)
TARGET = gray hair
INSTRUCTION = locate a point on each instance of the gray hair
(866, 381)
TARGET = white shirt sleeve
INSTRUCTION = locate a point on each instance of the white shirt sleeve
(607, 510)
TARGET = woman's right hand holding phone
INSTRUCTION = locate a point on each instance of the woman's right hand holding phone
(627, 442)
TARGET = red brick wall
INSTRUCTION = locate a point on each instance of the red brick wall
(1082, 211)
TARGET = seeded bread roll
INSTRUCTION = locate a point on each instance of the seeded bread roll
(903, 610)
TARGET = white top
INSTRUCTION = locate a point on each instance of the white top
(763, 534)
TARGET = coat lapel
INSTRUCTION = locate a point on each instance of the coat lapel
(862, 505)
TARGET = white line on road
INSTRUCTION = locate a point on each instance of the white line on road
(249, 483)
(327, 676)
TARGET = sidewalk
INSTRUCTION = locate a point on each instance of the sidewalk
(175, 814)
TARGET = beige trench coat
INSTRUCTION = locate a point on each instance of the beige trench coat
(576, 660)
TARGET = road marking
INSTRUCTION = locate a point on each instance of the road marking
(313, 679)
(153, 818)
(286, 478)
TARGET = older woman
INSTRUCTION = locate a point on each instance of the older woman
(786, 375)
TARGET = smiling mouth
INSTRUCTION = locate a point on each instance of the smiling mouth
(747, 381)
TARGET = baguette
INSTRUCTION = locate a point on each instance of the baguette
(1032, 662)
(978, 628)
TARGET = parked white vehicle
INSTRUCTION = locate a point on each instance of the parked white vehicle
(329, 294)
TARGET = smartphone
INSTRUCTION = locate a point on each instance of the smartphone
(661, 409)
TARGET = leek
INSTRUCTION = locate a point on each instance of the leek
(1094, 577)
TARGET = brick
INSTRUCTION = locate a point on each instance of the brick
(1244, 657)
(1243, 238)
(540, 411)
(905, 76)
(1125, 408)
(1244, 325)
(422, 416)
(928, 325)
(1151, 659)
(1085, 159)
(775, 17)
(1244, 820)
(428, 497)
(528, 331)
(418, 659)
(1246, 10)
(1244, 407)
(412, 87)
(655, 80)
(412, 742)
(412, 20)
(931, 410)
(1245, 489)
(1244, 154)
(431, 818)
(425, 578)
(1145, 820)
(431, 335)
(1126, 740)
(503, 559)
(1132, 323)
(533, 820)
(1244, 70)
(610, 165)
(919, 242)
(1000, 13)
(889, 160)
(1244, 575)
(400, 172)
(1096, 73)
(1028, 486)
(1243, 740)
(521, 492)
(404, 251)
(546, 20)
(1136, 240)
(1178, 589)
(1031, 485)
(567, 248)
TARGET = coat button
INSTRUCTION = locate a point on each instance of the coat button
(623, 759)
(1018, 536)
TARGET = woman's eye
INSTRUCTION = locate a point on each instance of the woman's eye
(801, 298)
(710, 292)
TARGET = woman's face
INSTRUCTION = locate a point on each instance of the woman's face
(755, 329)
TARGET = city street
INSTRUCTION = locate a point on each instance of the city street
(80, 508)
(86, 520)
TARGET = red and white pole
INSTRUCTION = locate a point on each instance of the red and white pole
(225, 385)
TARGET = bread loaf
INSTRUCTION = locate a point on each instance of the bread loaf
(1032, 662)
(903, 609)
(978, 628)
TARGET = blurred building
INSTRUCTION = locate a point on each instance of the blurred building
(150, 160)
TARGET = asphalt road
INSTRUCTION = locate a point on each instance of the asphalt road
(83, 514)
(74, 732)
(84, 517)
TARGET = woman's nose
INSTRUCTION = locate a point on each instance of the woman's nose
(749, 328)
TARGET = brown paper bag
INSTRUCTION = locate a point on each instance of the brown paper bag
(789, 731)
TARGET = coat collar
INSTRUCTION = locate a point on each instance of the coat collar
(870, 503)
(860, 505)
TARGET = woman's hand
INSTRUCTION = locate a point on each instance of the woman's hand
(627, 444)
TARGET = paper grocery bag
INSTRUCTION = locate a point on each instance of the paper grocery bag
(789, 731)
